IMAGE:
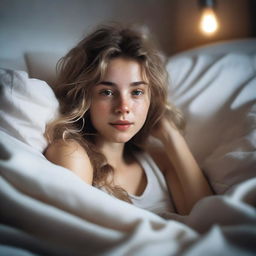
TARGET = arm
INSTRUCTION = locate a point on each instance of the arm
(184, 177)
(72, 156)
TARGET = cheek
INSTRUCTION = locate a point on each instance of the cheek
(99, 107)
(98, 112)
(141, 109)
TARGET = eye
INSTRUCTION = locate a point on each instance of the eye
(137, 92)
(106, 92)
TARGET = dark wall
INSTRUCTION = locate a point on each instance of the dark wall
(56, 25)
(235, 19)
(252, 7)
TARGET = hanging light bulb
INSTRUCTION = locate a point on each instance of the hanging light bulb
(208, 22)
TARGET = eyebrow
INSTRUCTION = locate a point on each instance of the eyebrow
(108, 83)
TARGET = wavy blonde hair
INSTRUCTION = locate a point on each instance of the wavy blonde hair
(83, 67)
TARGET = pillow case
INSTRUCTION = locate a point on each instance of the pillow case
(217, 93)
(26, 106)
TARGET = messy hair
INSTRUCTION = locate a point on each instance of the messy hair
(85, 66)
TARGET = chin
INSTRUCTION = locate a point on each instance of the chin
(117, 137)
(121, 138)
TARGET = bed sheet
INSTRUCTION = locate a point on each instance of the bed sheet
(48, 210)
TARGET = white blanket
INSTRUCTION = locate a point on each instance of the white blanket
(48, 210)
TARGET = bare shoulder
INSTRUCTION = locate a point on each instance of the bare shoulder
(71, 155)
(64, 148)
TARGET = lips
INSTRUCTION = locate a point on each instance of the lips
(121, 125)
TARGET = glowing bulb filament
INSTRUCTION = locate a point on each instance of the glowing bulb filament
(208, 23)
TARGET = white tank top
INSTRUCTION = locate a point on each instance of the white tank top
(156, 196)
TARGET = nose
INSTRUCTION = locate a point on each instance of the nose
(122, 106)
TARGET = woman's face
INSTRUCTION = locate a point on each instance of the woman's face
(120, 102)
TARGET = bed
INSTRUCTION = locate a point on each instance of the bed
(47, 210)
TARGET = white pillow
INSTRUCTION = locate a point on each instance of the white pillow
(217, 94)
(27, 105)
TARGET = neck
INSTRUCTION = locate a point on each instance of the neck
(114, 152)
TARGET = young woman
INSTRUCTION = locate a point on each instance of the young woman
(112, 89)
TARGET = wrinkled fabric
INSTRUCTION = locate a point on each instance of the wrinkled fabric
(48, 210)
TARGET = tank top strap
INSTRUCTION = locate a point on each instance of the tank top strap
(156, 196)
